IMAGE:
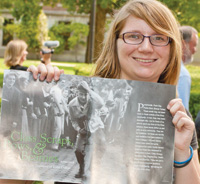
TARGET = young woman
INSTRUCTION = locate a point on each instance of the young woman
(15, 55)
(144, 44)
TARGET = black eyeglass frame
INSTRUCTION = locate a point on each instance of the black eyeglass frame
(143, 36)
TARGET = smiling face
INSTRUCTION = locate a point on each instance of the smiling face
(143, 62)
(10, 81)
(82, 97)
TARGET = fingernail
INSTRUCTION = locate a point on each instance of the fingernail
(56, 78)
(41, 77)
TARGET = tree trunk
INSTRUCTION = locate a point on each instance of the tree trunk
(99, 31)
(87, 54)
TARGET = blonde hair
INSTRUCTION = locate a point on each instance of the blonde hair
(14, 51)
(160, 19)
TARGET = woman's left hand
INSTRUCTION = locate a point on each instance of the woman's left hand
(47, 72)
(183, 124)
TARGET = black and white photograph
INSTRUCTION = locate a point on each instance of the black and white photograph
(86, 130)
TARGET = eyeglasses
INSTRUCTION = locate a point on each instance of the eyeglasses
(137, 38)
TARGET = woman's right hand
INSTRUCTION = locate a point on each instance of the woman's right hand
(47, 72)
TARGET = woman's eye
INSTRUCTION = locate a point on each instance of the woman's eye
(133, 36)
(159, 38)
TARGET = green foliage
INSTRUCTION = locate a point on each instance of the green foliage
(2, 68)
(81, 6)
(37, 182)
(31, 25)
(59, 32)
(26, 11)
(9, 30)
(195, 90)
(84, 6)
(42, 27)
(84, 70)
(6, 3)
(111, 4)
(195, 75)
(75, 33)
(194, 105)
(187, 12)
(30, 35)
(28, 14)
(1, 80)
(78, 34)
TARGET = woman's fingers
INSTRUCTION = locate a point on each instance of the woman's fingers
(176, 105)
(57, 73)
(181, 120)
(34, 71)
(42, 70)
(183, 124)
(50, 72)
(47, 72)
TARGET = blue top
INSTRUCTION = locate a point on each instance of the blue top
(184, 85)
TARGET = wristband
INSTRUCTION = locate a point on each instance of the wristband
(42, 61)
(181, 165)
(184, 163)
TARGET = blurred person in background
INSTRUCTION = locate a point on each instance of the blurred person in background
(189, 47)
(16, 53)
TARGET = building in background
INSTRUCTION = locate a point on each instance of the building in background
(55, 15)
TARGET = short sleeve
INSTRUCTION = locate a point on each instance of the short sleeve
(194, 142)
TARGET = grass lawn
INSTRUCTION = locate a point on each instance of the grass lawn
(195, 75)
(85, 69)
(68, 67)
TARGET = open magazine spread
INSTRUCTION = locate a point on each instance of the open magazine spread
(86, 130)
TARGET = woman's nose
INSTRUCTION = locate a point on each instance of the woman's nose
(146, 46)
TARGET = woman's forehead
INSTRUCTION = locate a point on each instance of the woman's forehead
(134, 24)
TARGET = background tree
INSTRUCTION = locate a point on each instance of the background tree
(29, 15)
(187, 12)
(104, 7)
(69, 36)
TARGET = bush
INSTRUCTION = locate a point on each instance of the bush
(69, 35)
(1, 80)
(37, 182)
(84, 70)
(194, 105)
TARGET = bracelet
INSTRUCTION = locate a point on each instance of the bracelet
(184, 163)
(42, 61)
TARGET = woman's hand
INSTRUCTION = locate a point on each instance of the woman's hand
(184, 129)
(45, 55)
(47, 72)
